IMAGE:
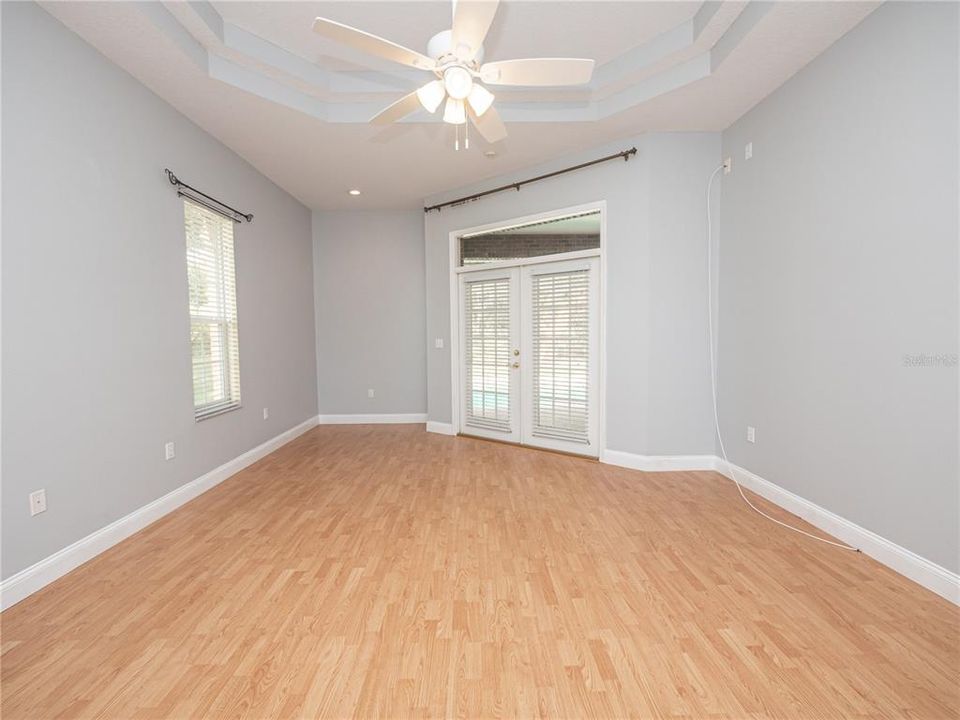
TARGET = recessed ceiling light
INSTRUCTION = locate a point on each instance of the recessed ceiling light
(354, 192)
(490, 153)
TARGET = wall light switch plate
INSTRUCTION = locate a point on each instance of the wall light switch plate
(169, 451)
(38, 502)
(438, 343)
(751, 434)
(266, 413)
(748, 151)
(370, 393)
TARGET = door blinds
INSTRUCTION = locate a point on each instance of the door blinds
(213, 311)
(561, 355)
(488, 353)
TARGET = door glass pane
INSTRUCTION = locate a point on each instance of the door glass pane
(548, 237)
(488, 353)
(561, 355)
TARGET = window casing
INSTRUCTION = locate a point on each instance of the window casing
(214, 333)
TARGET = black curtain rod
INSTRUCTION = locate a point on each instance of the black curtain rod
(236, 215)
(625, 154)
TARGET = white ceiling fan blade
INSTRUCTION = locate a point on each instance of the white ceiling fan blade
(400, 109)
(489, 125)
(471, 20)
(371, 44)
(542, 72)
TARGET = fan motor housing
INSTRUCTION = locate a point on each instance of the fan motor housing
(441, 46)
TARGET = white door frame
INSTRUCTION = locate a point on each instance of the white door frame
(456, 271)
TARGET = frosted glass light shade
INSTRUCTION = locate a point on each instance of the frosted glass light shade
(458, 82)
(431, 95)
(455, 112)
(480, 99)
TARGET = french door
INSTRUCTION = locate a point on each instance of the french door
(530, 354)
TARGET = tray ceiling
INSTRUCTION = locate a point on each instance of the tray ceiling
(296, 105)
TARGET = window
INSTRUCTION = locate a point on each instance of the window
(213, 311)
(568, 233)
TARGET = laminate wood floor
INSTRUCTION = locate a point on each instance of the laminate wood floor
(380, 571)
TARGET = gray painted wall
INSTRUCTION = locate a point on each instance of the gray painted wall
(657, 399)
(96, 355)
(369, 294)
(838, 257)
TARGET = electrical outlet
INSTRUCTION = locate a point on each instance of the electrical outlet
(38, 502)
(370, 393)
(438, 343)
(169, 451)
(727, 166)
(266, 413)
(751, 434)
(748, 151)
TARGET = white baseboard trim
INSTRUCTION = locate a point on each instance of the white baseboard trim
(658, 463)
(26, 582)
(440, 428)
(943, 582)
(375, 419)
(922, 571)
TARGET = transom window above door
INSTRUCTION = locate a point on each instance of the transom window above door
(563, 234)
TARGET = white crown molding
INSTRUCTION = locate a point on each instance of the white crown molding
(373, 419)
(230, 54)
(29, 580)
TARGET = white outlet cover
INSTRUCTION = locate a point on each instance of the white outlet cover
(727, 166)
(748, 151)
(438, 343)
(751, 434)
(38, 502)
(266, 413)
(370, 393)
(169, 451)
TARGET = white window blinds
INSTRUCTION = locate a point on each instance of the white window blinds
(487, 352)
(561, 355)
(213, 311)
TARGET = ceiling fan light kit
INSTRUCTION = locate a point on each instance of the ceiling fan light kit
(457, 81)
(455, 57)
(454, 113)
(480, 99)
(431, 95)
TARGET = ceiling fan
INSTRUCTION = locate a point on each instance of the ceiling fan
(455, 57)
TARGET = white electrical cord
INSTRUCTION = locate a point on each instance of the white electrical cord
(713, 382)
